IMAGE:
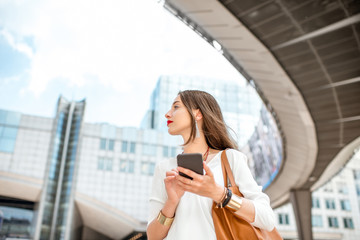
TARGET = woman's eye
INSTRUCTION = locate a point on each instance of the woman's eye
(176, 107)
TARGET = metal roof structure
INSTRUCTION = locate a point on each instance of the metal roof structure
(303, 57)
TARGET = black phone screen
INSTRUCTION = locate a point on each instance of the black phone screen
(191, 161)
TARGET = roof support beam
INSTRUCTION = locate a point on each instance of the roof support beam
(332, 27)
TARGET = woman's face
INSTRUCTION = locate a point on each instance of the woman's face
(179, 120)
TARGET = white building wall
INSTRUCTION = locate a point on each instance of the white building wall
(128, 192)
(31, 148)
(341, 187)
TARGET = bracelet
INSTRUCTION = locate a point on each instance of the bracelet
(163, 220)
(235, 202)
(222, 198)
(227, 199)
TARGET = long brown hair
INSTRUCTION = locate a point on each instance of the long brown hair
(214, 128)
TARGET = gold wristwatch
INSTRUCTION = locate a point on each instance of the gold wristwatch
(162, 219)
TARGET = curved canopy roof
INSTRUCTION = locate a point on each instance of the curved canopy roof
(304, 59)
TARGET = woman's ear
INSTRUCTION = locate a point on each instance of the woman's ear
(197, 114)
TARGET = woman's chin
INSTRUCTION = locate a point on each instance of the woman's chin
(173, 133)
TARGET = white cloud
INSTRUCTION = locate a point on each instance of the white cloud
(121, 44)
(17, 45)
(117, 41)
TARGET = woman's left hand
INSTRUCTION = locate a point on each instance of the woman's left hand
(203, 185)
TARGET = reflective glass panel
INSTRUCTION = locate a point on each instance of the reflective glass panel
(316, 221)
(123, 165)
(9, 132)
(131, 166)
(103, 144)
(7, 145)
(132, 147)
(345, 205)
(16, 222)
(165, 151)
(144, 168)
(124, 146)
(111, 145)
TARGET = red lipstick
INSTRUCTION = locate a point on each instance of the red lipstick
(168, 122)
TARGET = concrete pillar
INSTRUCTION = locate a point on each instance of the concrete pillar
(301, 202)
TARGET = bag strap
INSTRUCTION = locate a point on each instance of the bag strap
(227, 173)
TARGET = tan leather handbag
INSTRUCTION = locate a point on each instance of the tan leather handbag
(229, 225)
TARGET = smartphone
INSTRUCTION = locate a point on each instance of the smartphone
(191, 161)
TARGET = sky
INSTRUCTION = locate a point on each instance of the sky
(109, 52)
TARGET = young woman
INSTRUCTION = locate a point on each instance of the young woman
(180, 208)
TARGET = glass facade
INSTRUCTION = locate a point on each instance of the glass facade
(55, 219)
(16, 223)
(9, 122)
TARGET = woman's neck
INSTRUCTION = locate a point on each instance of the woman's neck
(197, 146)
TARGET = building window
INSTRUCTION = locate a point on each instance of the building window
(283, 219)
(7, 138)
(128, 146)
(131, 167)
(132, 147)
(126, 166)
(124, 146)
(342, 188)
(103, 144)
(315, 202)
(348, 223)
(105, 163)
(169, 151)
(358, 189)
(330, 203)
(328, 188)
(107, 144)
(356, 173)
(333, 222)
(123, 165)
(173, 152)
(165, 151)
(316, 221)
(149, 149)
(111, 145)
(345, 205)
(147, 168)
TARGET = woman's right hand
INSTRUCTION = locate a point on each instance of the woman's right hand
(174, 191)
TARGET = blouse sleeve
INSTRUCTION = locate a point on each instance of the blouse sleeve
(264, 215)
(158, 194)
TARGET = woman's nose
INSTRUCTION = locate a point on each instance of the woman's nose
(167, 115)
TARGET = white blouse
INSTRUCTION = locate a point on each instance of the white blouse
(193, 219)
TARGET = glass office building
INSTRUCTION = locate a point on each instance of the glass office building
(63, 178)
(240, 104)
